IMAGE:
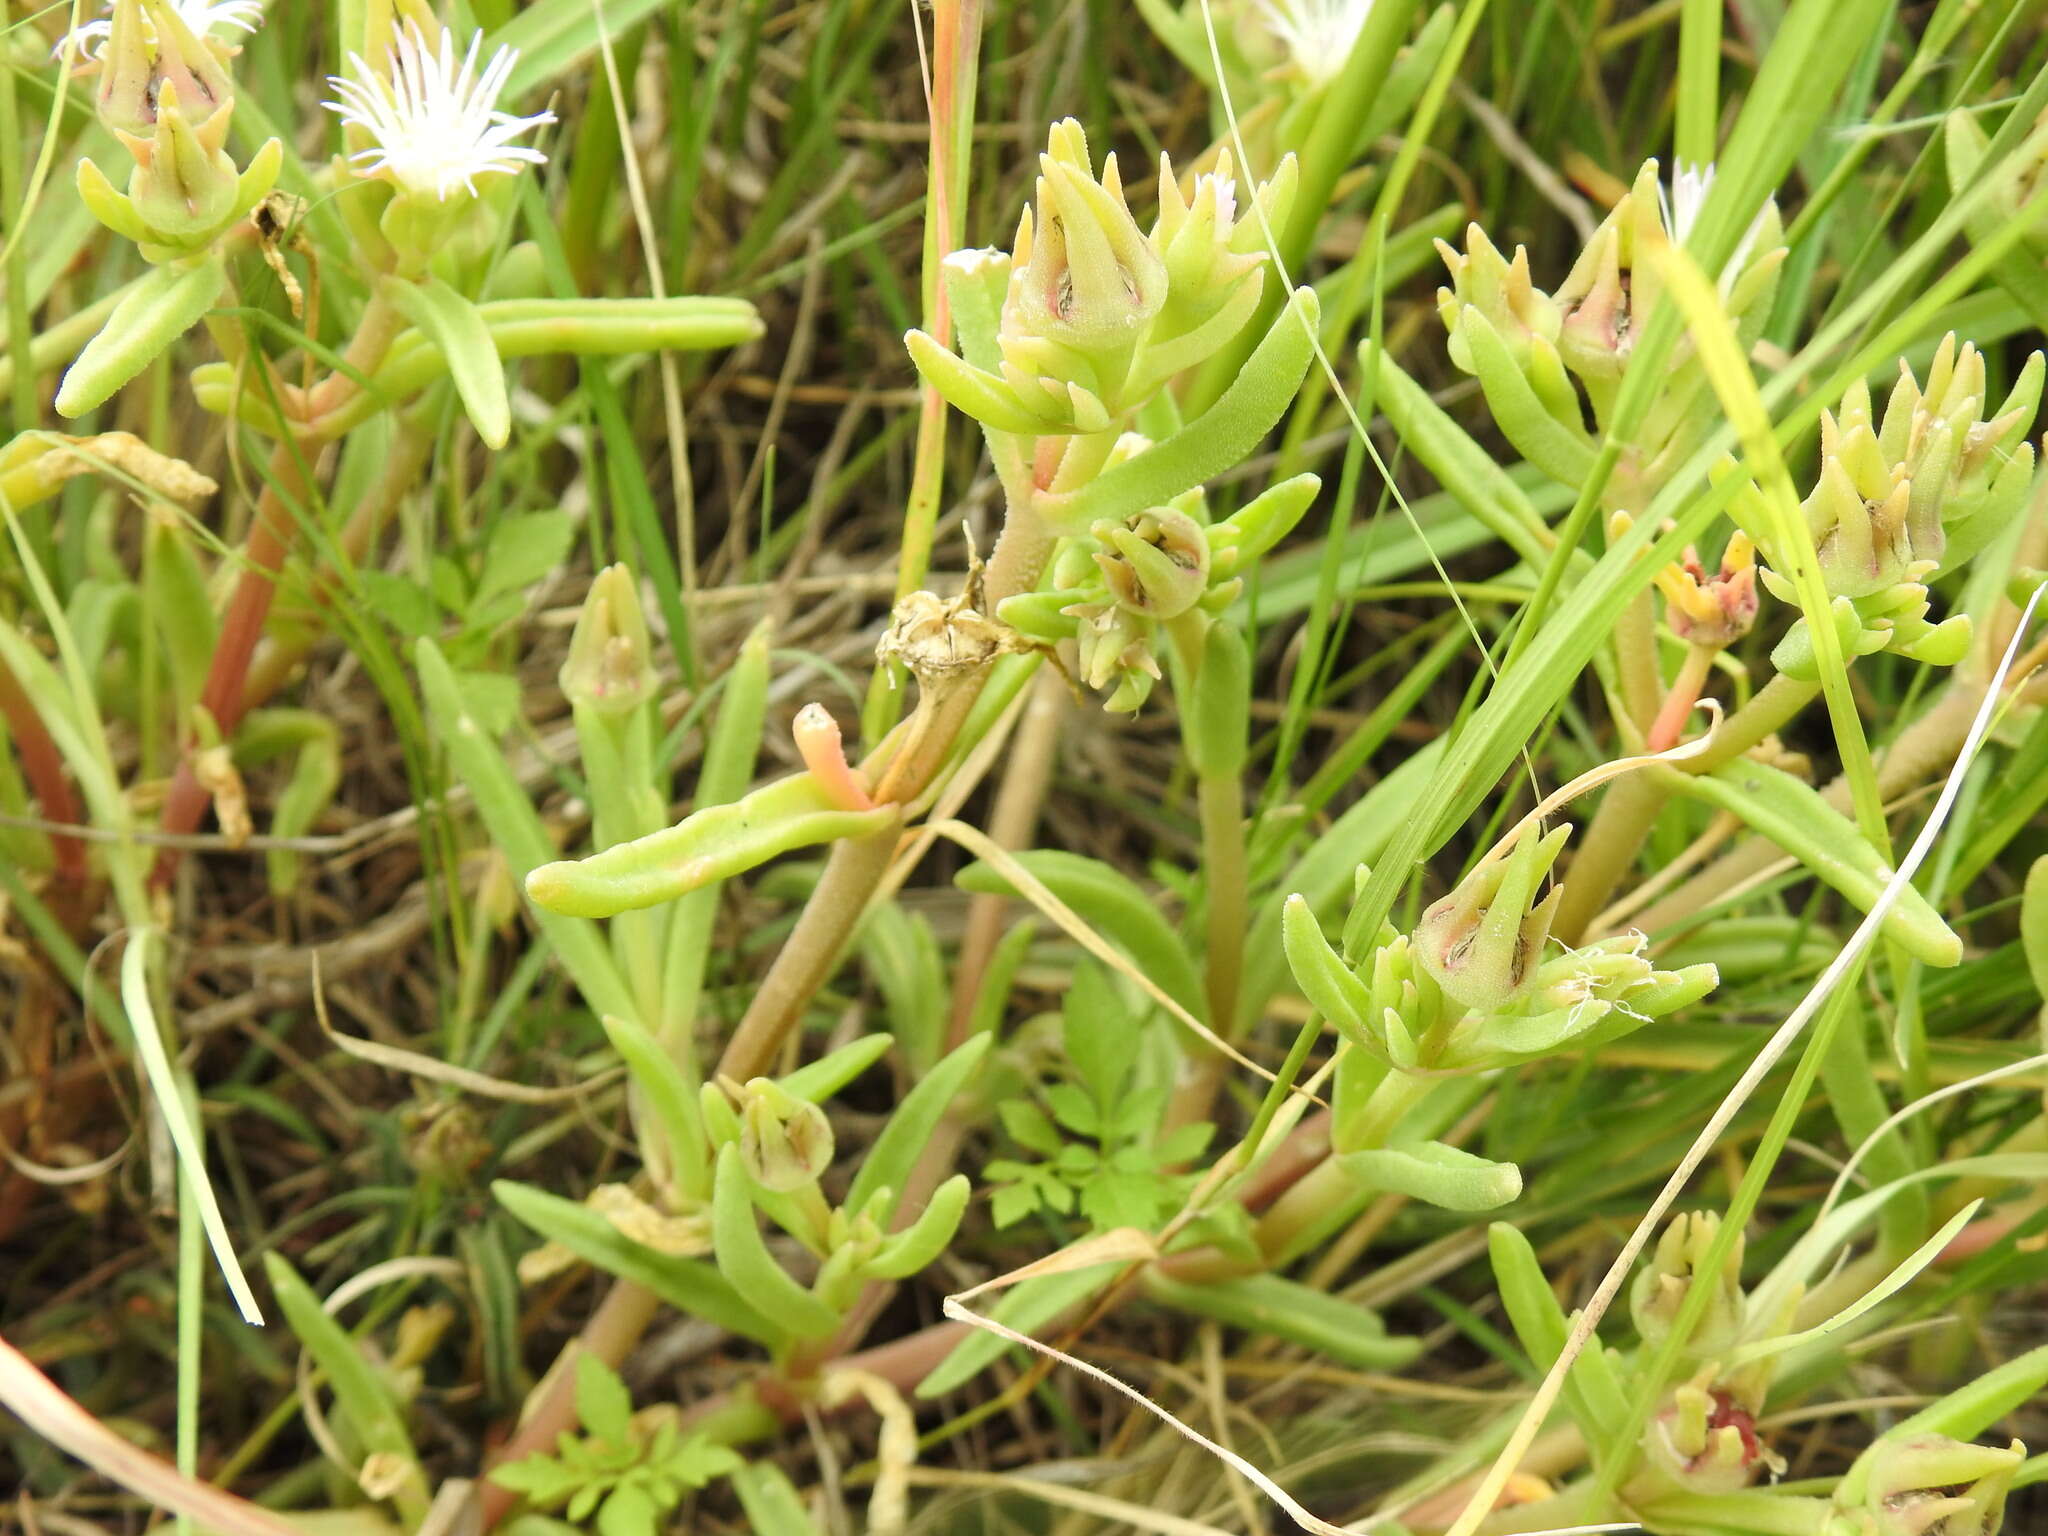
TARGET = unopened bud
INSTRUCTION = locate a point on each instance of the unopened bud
(785, 1141)
(126, 99)
(1482, 942)
(1482, 279)
(1930, 1485)
(1156, 564)
(1615, 285)
(610, 666)
(185, 187)
(1925, 488)
(1115, 645)
(1091, 280)
(1660, 1290)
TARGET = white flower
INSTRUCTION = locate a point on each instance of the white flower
(202, 16)
(1681, 207)
(435, 123)
(1318, 34)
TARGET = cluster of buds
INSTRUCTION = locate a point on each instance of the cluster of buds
(1926, 1485)
(1113, 590)
(1703, 1438)
(1087, 316)
(165, 93)
(1471, 989)
(1532, 351)
(1905, 497)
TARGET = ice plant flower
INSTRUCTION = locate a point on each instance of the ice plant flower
(88, 42)
(433, 120)
(1680, 208)
(1317, 34)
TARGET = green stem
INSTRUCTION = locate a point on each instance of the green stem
(1635, 644)
(1768, 710)
(1604, 855)
(1330, 1195)
(856, 866)
(191, 1315)
(1225, 874)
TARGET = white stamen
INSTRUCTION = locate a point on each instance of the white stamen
(1690, 186)
(89, 41)
(1318, 34)
(434, 120)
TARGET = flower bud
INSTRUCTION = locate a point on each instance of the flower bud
(1664, 1283)
(185, 188)
(1212, 262)
(785, 1141)
(1585, 996)
(1615, 286)
(1930, 1485)
(1929, 486)
(1483, 941)
(610, 666)
(1198, 239)
(1713, 610)
(1482, 279)
(1090, 280)
(1115, 645)
(1704, 1440)
(126, 99)
(188, 62)
(1155, 564)
(1084, 288)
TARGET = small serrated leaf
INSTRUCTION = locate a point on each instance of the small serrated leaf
(603, 1405)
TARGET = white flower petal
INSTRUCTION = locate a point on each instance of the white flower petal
(202, 16)
(433, 120)
(1318, 34)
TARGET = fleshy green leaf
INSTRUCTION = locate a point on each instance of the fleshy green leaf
(1793, 814)
(1444, 1176)
(158, 310)
(903, 1139)
(1113, 904)
(1286, 1309)
(685, 1284)
(926, 1238)
(744, 1259)
(1027, 1306)
(712, 844)
(452, 323)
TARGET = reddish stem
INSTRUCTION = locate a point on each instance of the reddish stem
(1680, 701)
(44, 766)
(225, 695)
